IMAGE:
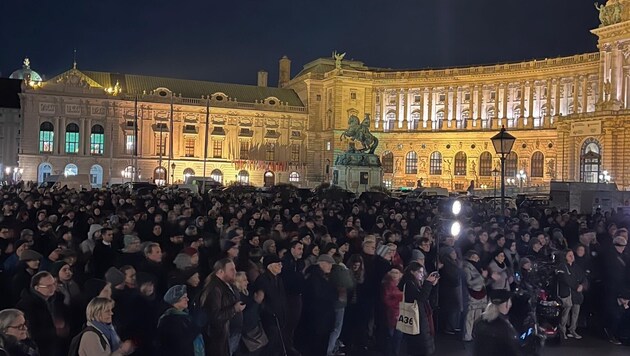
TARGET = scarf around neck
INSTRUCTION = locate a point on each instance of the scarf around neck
(110, 334)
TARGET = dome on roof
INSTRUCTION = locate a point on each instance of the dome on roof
(25, 72)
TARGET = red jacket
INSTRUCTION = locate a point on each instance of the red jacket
(392, 296)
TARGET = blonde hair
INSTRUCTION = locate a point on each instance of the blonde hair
(241, 274)
(96, 307)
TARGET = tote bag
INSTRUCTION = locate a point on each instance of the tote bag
(409, 317)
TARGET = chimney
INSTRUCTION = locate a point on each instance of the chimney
(285, 71)
(262, 78)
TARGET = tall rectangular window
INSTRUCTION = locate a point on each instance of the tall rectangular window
(295, 153)
(72, 138)
(244, 151)
(160, 145)
(270, 152)
(217, 149)
(46, 141)
(189, 147)
(97, 143)
(130, 141)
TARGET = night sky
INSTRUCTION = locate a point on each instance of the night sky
(230, 40)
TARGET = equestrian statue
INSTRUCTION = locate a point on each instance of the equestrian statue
(360, 131)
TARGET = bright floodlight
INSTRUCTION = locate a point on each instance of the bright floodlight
(456, 228)
(456, 208)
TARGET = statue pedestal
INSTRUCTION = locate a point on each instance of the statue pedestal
(357, 172)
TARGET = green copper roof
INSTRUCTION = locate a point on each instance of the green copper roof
(137, 84)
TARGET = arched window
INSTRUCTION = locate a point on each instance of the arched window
(537, 164)
(590, 161)
(243, 177)
(97, 140)
(71, 170)
(72, 138)
(435, 163)
(188, 172)
(96, 176)
(159, 176)
(46, 137)
(294, 177)
(217, 176)
(411, 163)
(269, 179)
(511, 165)
(460, 164)
(485, 164)
(44, 170)
(388, 162)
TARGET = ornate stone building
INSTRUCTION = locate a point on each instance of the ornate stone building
(569, 115)
(84, 122)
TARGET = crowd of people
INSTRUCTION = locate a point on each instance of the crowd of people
(237, 272)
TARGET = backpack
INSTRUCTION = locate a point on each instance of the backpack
(76, 341)
(197, 314)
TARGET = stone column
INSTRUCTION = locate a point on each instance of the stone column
(479, 102)
(603, 70)
(398, 124)
(584, 79)
(405, 102)
(447, 92)
(62, 136)
(430, 106)
(576, 100)
(522, 104)
(382, 94)
(505, 102)
(557, 96)
(530, 100)
(616, 70)
(548, 99)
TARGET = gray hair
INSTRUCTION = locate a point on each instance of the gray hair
(7, 317)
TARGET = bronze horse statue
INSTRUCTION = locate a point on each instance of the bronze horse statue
(360, 131)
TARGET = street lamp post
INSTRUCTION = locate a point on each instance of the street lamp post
(495, 174)
(503, 143)
(173, 173)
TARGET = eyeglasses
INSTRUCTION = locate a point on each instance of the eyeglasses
(47, 286)
(19, 327)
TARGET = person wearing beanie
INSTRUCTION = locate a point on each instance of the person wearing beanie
(493, 333)
(11, 263)
(230, 249)
(184, 261)
(417, 256)
(29, 265)
(62, 272)
(115, 277)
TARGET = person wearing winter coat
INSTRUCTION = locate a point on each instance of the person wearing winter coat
(342, 280)
(177, 334)
(14, 337)
(99, 318)
(476, 286)
(493, 334)
(220, 301)
(418, 288)
(450, 296)
(392, 296)
(570, 287)
(45, 313)
(498, 270)
(320, 295)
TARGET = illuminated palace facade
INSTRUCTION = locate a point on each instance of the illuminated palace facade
(84, 122)
(570, 117)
